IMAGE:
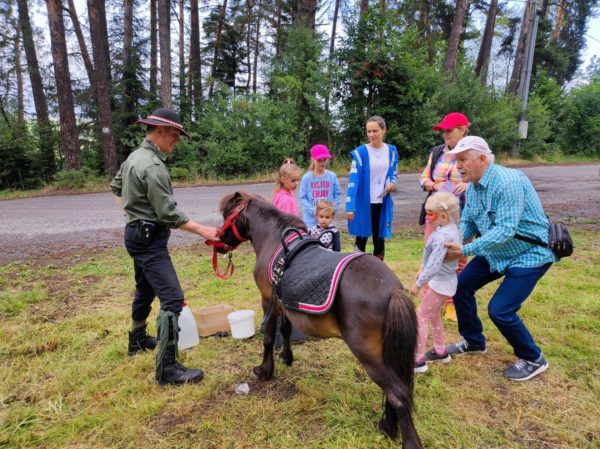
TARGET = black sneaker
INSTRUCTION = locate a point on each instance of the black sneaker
(421, 367)
(433, 356)
(462, 347)
(524, 369)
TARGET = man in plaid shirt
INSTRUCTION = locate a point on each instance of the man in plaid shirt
(501, 202)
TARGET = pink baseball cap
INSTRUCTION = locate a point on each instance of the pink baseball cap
(452, 120)
(320, 151)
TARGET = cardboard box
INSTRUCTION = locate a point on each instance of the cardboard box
(211, 320)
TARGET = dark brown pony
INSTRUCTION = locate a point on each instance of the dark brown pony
(371, 312)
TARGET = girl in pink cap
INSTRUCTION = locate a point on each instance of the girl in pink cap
(318, 184)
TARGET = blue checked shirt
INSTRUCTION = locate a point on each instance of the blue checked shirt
(502, 204)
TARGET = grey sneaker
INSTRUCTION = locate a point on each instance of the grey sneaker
(421, 367)
(524, 369)
(432, 356)
(462, 347)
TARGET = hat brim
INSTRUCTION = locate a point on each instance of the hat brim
(461, 150)
(163, 122)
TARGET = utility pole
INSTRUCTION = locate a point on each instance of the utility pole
(525, 78)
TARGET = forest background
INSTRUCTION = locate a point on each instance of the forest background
(259, 80)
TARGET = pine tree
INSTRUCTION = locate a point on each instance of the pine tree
(68, 125)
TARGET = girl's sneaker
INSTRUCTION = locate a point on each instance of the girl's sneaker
(433, 356)
(421, 367)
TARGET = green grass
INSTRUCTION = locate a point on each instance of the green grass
(67, 381)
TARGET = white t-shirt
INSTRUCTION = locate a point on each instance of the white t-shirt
(379, 163)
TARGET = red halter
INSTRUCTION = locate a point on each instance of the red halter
(229, 223)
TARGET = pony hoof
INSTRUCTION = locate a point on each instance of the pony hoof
(258, 373)
(383, 428)
(288, 358)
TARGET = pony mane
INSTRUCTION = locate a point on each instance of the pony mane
(266, 209)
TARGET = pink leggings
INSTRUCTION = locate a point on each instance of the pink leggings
(430, 311)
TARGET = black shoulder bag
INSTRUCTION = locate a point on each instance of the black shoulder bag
(559, 240)
(436, 152)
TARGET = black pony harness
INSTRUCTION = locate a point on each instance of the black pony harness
(304, 275)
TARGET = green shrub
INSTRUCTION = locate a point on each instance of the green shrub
(73, 179)
(581, 121)
(240, 136)
(179, 173)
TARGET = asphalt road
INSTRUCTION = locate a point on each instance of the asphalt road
(51, 226)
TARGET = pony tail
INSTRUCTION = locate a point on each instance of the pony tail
(400, 341)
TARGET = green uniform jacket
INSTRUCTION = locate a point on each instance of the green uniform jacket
(144, 183)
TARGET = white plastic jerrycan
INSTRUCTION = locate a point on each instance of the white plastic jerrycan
(188, 331)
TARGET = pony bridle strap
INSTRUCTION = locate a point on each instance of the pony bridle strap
(229, 223)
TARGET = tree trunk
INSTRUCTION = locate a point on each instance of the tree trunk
(336, 11)
(66, 110)
(364, 6)
(153, 49)
(454, 41)
(520, 52)
(306, 13)
(256, 46)
(544, 9)
(39, 99)
(128, 63)
(485, 49)
(425, 28)
(278, 27)
(101, 69)
(195, 61)
(249, 6)
(217, 48)
(164, 32)
(127, 30)
(560, 15)
(87, 62)
(183, 100)
(19, 70)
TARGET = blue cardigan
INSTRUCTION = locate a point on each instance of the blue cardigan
(359, 194)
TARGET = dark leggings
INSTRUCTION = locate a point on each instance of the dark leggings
(378, 242)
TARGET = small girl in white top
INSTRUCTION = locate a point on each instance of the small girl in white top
(443, 213)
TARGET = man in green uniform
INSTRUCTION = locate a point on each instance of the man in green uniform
(143, 189)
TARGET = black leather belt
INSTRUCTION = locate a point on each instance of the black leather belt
(158, 227)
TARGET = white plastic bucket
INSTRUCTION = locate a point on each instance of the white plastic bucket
(241, 323)
(188, 331)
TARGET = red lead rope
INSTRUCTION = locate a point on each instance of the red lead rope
(229, 222)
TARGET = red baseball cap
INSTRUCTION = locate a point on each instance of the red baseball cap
(452, 120)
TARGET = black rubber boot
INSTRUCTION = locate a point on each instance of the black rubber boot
(168, 370)
(140, 341)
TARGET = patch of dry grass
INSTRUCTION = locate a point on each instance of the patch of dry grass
(67, 381)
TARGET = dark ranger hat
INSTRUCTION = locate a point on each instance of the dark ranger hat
(164, 117)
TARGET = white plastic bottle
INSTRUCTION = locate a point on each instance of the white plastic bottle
(188, 331)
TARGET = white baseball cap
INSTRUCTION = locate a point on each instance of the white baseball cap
(471, 143)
